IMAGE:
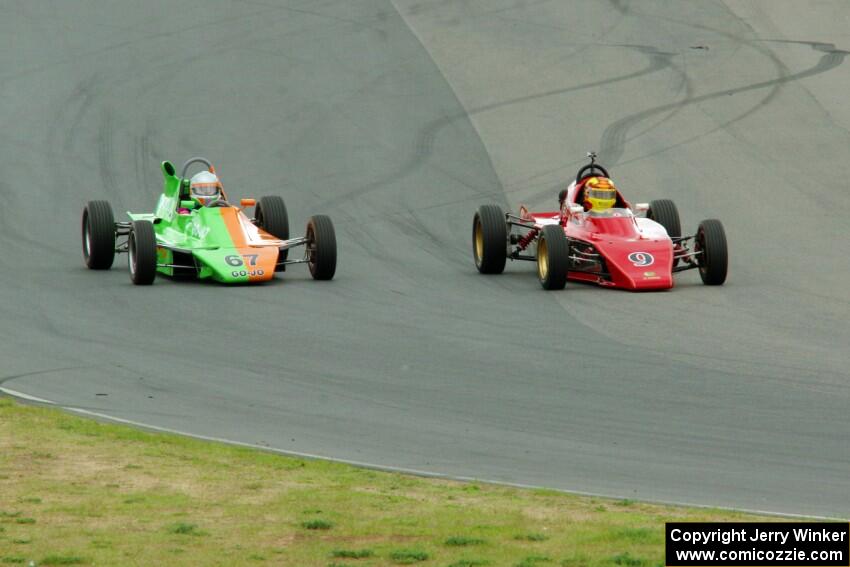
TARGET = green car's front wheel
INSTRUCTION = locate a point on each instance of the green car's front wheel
(321, 247)
(141, 252)
(98, 235)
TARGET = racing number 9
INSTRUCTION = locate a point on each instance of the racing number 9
(641, 259)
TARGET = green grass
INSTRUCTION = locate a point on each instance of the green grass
(409, 556)
(626, 560)
(533, 560)
(184, 528)
(78, 492)
(352, 553)
(532, 537)
(62, 560)
(317, 525)
(461, 541)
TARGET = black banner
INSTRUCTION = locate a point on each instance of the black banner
(740, 544)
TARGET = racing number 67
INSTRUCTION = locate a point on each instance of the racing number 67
(237, 260)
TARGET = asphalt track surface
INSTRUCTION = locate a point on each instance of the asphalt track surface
(398, 120)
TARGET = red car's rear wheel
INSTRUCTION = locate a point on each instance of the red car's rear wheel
(665, 213)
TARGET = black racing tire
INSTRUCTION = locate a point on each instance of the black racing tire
(98, 228)
(713, 259)
(270, 215)
(490, 239)
(321, 247)
(665, 213)
(553, 257)
(141, 253)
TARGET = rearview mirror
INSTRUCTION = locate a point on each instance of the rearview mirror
(641, 208)
(188, 204)
(248, 202)
(576, 209)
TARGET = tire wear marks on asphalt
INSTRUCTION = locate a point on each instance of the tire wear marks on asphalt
(614, 138)
(426, 138)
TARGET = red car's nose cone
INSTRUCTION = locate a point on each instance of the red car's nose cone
(641, 264)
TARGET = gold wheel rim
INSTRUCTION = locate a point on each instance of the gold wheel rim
(479, 243)
(542, 260)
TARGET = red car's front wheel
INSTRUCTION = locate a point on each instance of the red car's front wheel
(553, 256)
(490, 239)
(713, 256)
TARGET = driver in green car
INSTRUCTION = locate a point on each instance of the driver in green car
(205, 187)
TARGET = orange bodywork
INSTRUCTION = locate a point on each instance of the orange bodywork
(256, 245)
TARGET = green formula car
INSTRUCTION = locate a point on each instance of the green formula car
(196, 232)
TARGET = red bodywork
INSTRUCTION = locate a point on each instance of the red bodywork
(633, 253)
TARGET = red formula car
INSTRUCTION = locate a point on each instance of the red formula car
(619, 246)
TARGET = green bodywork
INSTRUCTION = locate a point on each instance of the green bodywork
(202, 239)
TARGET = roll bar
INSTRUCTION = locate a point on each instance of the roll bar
(588, 170)
(204, 161)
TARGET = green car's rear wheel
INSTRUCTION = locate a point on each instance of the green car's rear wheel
(98, 235)
(321, 247)
(270, 215)
(141, 252)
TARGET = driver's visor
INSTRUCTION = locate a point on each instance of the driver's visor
(206, 189)
(601, 194)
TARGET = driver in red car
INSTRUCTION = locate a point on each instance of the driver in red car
(205, 188)
(599, 194)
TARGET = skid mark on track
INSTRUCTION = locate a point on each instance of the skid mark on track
(10, 377)
(426, 137)
(373, 25)
(615, 136)
(620, 5)
(112, 47)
